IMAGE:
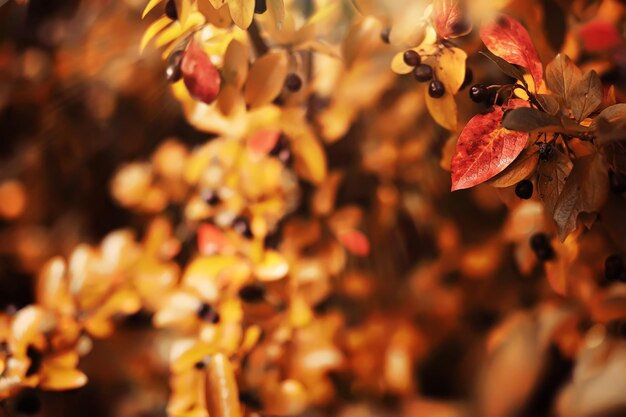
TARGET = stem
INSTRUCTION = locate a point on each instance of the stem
(259, 44)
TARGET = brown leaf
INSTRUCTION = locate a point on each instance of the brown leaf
(530, 120)
(561, 76)
(484, 149)
(585, 190)
(509, 69)
(586, 95)
(548, 103)
(523, 166)
(551, 179)
(507, 38)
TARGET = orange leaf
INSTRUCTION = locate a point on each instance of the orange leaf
(508, 39)
(485, 149)
(448, 19)
(210, 239)
(355, 242)
(263, 141)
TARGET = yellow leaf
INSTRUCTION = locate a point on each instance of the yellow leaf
(443, 110)
(153, 30)
(399, 66)
(235, 68)
(242, 12)
(63, 379)
(310, 159)
(217, 3)
(266, 79)
(151, 5)
(451, 69)
(276, 9)
(273, 267)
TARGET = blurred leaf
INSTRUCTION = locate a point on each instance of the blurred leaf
(451, 69)
(442, 109)
(509, 69)
(242, 12)
(153, 30)
(266, 79)
(548, 103)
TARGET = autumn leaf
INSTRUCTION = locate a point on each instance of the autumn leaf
(442, 109)
(585, 191)
(598, 35)
(548, 103)
(586, 95)
(485, 149)
(266, 79)
(509, 69)
(449, 20)
(551, 178)
(199, 74)
(561, 76)
(530, 120)
(450, 69)
(523, 166)
(507, 38)
(242, 12)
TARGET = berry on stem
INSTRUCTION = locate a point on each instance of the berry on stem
(436, 89)
(524, 189)
(173, 72)
(540, 244)
(293, 82)
(260, 6)
(478, 93)
(423, 73)
(411, 58)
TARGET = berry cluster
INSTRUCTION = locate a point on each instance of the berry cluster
(424, 73)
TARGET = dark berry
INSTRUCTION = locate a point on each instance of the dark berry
(170, 10)
(208, 313)
(260, 6)
(613, 267)
(28, 402)
(252, 293)
(540, 244)
(272, 241)
(545, 151)
(436, 89)
(423, 73)
(617, 182)
(242, 226)
(173, 71)
(384, 34)
(281, 150)
(200, 365)
(524, 189)
(250, 399)
(210, 197)
(460, 26)
(293, 82)
(469, 77)
(412, 58)
(36, 359)
(478, 93)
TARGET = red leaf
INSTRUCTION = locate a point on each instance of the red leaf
(485, 148)
(599, 36)
(211, 239)
(508, 39)
(263, 141)
(355, 242)
(449, 20)
(200, 75)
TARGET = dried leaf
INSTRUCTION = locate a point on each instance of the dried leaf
(449, 20)
(530, 120)
(551, 179)
(586, 95)
(507, 38)
(561, 76)
(548, 103)
(266, 79)
(585, 190)
(242, 12)
(523, 166)
(484, 149)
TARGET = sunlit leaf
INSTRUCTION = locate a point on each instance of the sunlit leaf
(266, 79)
(242, 12)
(508, 39)
(156, 27)
(151, 5)
(484, 149)
(235, 68)
(451, 69)
(222, 395)
(443, 110)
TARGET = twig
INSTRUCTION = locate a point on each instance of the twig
(259, 44)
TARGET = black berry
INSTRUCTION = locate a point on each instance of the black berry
(423, 73)
(173, 71)
(614, 268)
(469, 77)
(545, 151)
(242, 226)
(540, 244)
(524, 189)
(260, 6)
(170, 10)
(208, 313)
(478, 93)
(617, 181)
(210, 197)
(293, 82)
(436, 89)
(384, 34)
(250, 399)
(252, 293)
(412, 58)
